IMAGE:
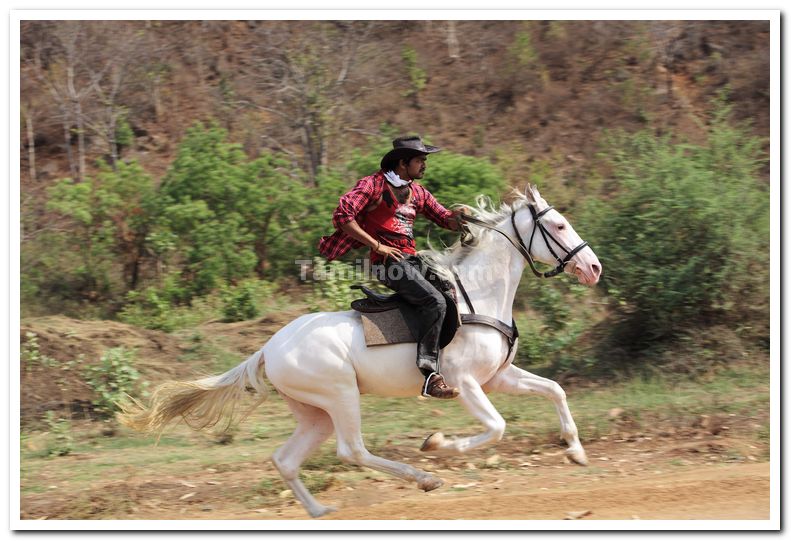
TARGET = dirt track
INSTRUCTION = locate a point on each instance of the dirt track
(704, 477)
(713, 467)
(616, 486)
(738, 491)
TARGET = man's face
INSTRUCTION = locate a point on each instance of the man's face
(416, 167)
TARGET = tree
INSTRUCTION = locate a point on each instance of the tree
(109, 76)
(57, 59)
(231, 215)
(111, 212)
(301, 77)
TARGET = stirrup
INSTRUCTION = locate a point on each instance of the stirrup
(452, 392)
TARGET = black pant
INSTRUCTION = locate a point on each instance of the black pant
(406, 278)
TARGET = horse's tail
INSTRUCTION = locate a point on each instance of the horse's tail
(202, 403)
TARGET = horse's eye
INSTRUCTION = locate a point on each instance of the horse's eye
(561, 227)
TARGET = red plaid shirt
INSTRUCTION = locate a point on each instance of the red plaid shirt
(368, 190)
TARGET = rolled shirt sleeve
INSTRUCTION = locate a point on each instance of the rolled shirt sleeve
(353, 202)
(433, 210)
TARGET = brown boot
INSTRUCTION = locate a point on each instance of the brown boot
(435, 387)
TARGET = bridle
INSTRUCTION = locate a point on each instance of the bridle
(525, 250)
(510, 332)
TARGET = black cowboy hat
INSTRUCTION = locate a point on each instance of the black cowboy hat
(408, 146)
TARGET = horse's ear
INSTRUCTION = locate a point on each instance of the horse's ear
(531, 192)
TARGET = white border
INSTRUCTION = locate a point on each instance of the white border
(14, 485)
(390, 14)
(773, 16)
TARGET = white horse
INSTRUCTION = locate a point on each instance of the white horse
(320, 364)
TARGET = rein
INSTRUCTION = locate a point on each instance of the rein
(525, 250)
(510, 332)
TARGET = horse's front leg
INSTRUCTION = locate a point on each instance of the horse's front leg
(513, 380)
(476, 402)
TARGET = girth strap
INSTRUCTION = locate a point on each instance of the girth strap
(511, 333)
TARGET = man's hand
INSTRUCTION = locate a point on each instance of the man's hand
(389, 251)
(458, 217)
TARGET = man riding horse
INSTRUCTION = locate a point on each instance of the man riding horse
(379, 212)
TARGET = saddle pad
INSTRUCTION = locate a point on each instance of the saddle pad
(383, 328)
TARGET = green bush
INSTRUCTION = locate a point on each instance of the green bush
(522, 50)
(124, 136)
(149, 309)
(31, 355)
(557, 316)
(227, 216)
(684, 238)
(97, 256)
(60, 441)
(332, 283)
(416, 74)
(239, 303)
(112, 379)
(156, 307)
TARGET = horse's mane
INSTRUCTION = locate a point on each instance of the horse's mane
(442, 261)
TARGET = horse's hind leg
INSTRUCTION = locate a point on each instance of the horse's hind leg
(514, 380)
(345, 414)
(313, 427)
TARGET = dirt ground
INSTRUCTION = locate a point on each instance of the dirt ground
(697, 476)
(701, 470)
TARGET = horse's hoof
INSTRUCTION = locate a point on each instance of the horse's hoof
(321, 511)
(433, 442)
(430, 483)
(577, 456)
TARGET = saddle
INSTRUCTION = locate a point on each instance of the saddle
(389, 319)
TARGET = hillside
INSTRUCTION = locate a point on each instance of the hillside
(54, 379)
(520, 92)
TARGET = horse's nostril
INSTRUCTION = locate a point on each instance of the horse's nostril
(596, 270)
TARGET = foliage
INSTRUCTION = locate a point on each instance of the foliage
(364, 162)
(199, 205)
(112, 379)
(416, 74)
(159, 308)
(458, 179)
(228, 215)
(332, 283)
(61, 441)
(239, 303)
(522, 49)
(217, 218)
(31, 353)
(124, 136)
(684, 237)
(111, 213)
(148, 308)
(557, 318)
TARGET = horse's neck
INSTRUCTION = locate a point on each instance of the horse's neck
(490, 274)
